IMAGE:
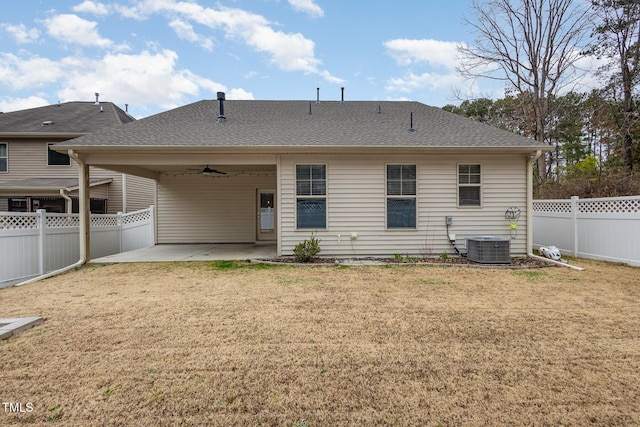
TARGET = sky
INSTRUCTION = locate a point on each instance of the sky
(155, 55)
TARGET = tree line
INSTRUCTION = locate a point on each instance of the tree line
(535, 47)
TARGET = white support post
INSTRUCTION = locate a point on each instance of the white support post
(154, 234)
(574, 224)
(42, 224)
(119, 232)
(85, 219)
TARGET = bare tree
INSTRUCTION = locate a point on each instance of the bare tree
(532, 45)
(617, 34)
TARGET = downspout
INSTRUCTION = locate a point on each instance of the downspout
(533, 157)
(84, 185)
(63, 193)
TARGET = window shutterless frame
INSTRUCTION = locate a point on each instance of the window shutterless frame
(311, 196)
(469, 188)
(4, 157)
(55, 158)
(401, 196)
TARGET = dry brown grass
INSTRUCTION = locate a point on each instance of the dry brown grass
(186, 344)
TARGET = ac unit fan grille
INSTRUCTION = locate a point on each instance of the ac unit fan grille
(488, 250)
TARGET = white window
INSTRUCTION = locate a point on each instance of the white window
(4, 157)
(401, 196)
(469, 185)
(311, 200)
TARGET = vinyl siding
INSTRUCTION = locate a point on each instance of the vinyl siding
(356, 202)
(141, 193)
(28, 159)
(201, 209)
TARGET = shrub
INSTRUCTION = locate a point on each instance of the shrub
(306, 250)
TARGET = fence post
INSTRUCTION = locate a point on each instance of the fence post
(574, 224)
(120, 222)
(42, 223)
(153, 224)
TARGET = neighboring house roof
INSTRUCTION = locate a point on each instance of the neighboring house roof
(73, 118)
(304, 124)
(49, 184)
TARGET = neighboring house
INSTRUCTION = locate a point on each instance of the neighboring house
(368, 178)
(32, 176)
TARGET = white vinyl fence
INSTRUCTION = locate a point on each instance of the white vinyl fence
(32, 244)
(602, 229)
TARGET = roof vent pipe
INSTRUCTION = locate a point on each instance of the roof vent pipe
(342, 96)
(317, 95)
(411, 129)
(97, 96)
(221, 117)
(126, 108)
(309, 107)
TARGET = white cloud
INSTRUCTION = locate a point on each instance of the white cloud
(238, 93)
(17, 104)
(586, 77)
(185, 31)
(141, 79)
(433, 52)
(20, 33)
(148, 78)
(74, 30)
(92, 7)
(19, 73)
(287, 51)
(412, 82)
(307, 6)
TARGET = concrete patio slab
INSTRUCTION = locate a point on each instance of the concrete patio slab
(14, 326)
(195, 252)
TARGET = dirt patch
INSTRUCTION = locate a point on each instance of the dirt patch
(252, 344)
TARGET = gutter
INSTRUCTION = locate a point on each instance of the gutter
(533, 157)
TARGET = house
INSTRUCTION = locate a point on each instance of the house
(369, 178)
(33, 176)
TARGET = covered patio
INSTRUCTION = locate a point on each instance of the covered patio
(193, 252)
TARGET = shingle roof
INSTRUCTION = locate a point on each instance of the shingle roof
(289, 123)
(66, 117)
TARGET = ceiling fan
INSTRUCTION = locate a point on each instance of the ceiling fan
(208, 171)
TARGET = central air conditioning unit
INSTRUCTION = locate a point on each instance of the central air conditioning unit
(488, 250)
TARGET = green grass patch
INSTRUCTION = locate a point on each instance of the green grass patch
(108, 393)
(224, 265)
(227, 265)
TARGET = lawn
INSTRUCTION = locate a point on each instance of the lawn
(221, 344)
